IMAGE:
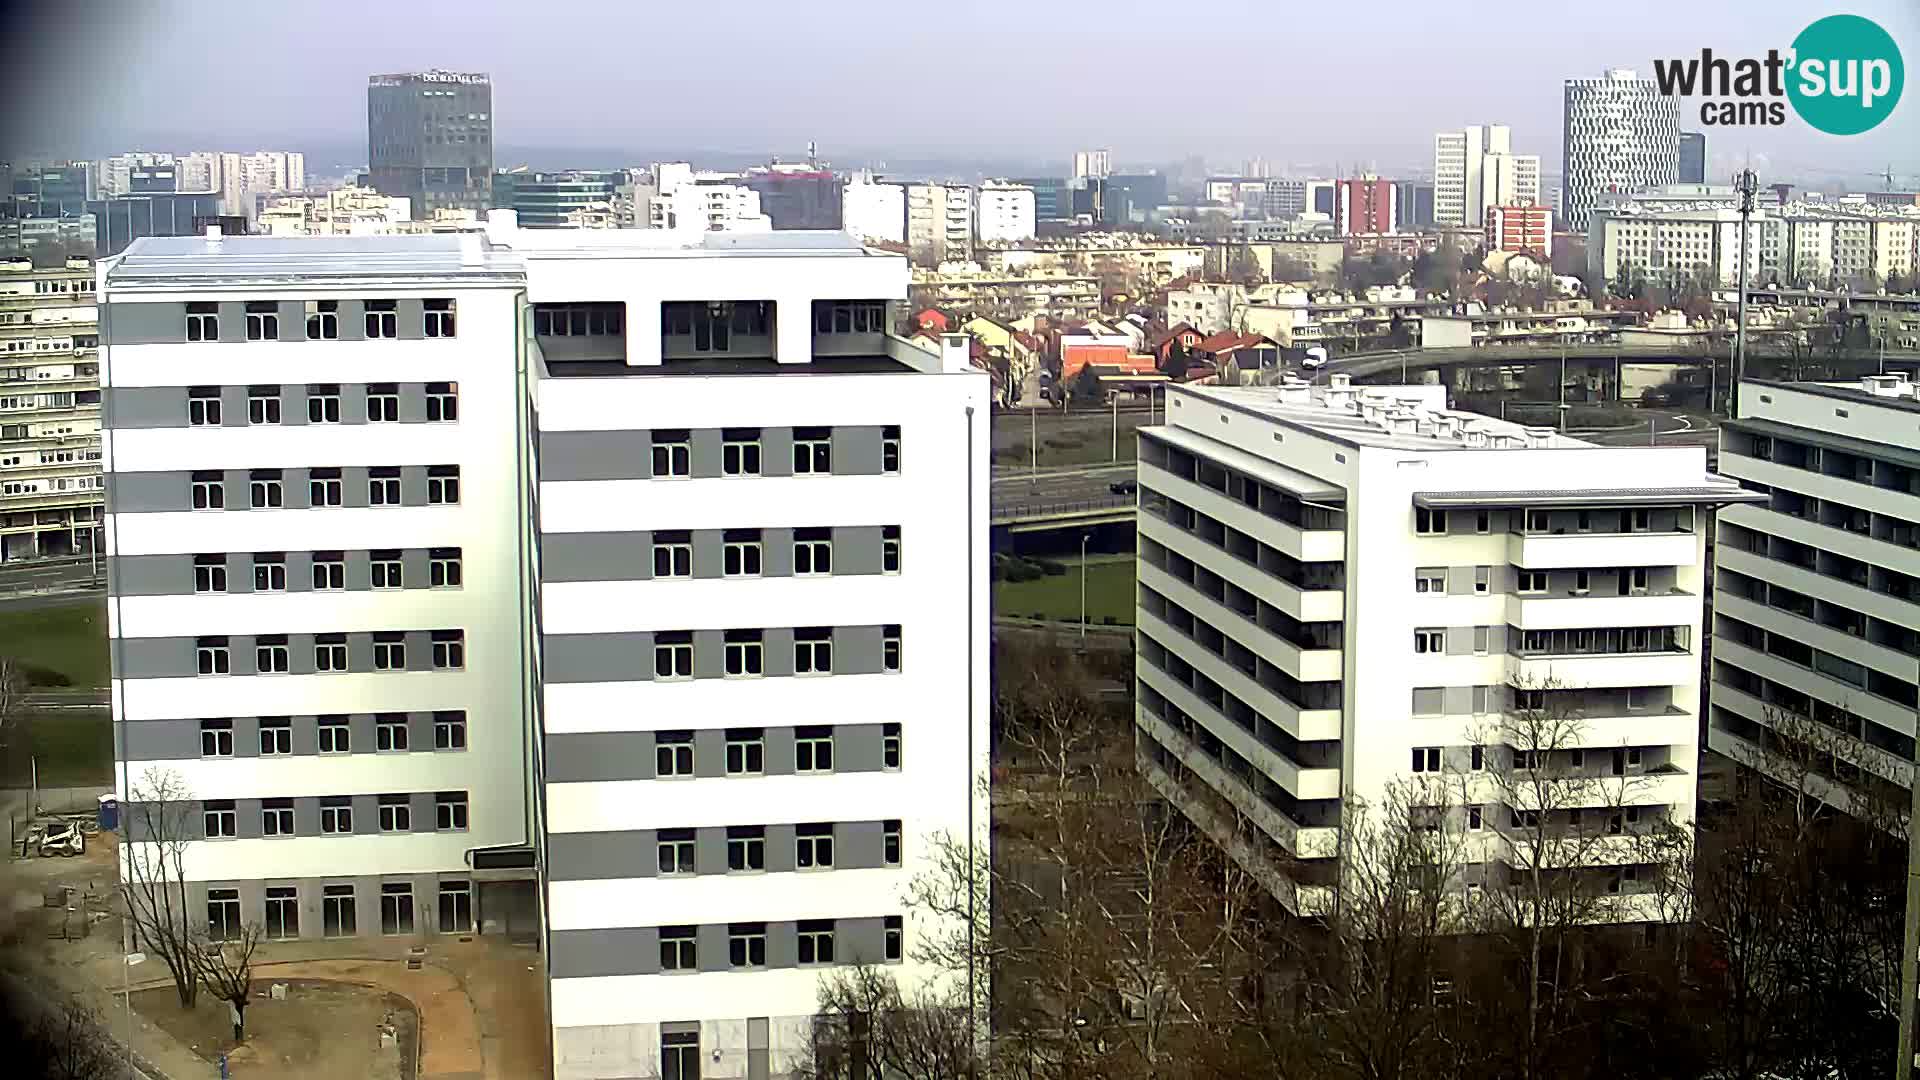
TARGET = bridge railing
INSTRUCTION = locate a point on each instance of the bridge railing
(1063, 508)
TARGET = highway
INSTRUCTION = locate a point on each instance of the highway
(48, 575)
(1019, 493)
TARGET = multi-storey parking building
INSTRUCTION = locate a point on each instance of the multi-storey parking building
(1347, 589)
(49, 411)
(644, 564)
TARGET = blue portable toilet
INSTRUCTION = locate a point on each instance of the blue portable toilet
(109, 813)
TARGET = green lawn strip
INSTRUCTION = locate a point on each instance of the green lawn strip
(1109, 593)
(68, 638)
(72, 747)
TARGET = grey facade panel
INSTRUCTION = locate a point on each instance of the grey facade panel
(582, 954)
(588, 757)
(856, 550)
(623, 556)
(778, 651)
(710, 850)
(703, 453)
(856, 451)
(423, 811)
(859, 941)
(366, 814)
(597, 657)
(233, 404)
(1459, 641)
(776, 552)
(709, 654)
(293, 320)
(159, 658)
(1427, 700)
(160, 740)
(233, 321)
(412, 321)
(780, 853)
(413, 485)
(709, 753)
(856, 748)
(858, 845)
(595, 455)
(145, 324)
(708, 557)
(776, 451)
(1457, 700)
(711, 947)
(856, 650)
(353, 320)
(151, 575)
(152, 492)
(602, 856)
(130, 407)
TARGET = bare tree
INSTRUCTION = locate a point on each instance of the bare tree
(867, 1027)
(63, 1040)
(153, 876)
(13, 692)
(227, 971)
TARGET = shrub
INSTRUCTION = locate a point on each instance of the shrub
(1048, 567)
(35, 675)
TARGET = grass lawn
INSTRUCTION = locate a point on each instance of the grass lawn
(1109, 593)
(73, 747)
(69, 638)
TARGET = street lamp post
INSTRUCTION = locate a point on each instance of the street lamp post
(1116, 425)
(1084, 537)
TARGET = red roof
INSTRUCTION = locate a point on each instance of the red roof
(1227, 341)
(1172, 333)
(930, 318)
(1075, 357)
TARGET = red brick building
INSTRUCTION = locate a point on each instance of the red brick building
(1520, 228)
(1363, 206)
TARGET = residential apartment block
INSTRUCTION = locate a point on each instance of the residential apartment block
(50, 490)
(626, 589)
(1475, 170)
(1817, 588)
(1344, 588)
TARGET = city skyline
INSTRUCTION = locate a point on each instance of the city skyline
(562, 92)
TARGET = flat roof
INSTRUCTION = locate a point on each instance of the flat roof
(1319, 416)
(673, 243)
(195, 260)
(1715, 493)
(1848, 391)
(876, 364)
(1292, 481)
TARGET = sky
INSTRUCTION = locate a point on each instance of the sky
(1357, 85)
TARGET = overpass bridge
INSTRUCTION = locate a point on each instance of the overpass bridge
(1061, 498)
(1392, 361)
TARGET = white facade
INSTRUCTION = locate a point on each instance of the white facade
(939, 223)
(1620, 135)
(115, 174)
(759, 555)
(1094, 163)
(246, 179)
(1474, 169)
(50, 487)
(1418, 569)
(704, 202)
(1005, 212)
(1815, 603)
(873, 211)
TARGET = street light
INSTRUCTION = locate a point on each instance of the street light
(1084, 537)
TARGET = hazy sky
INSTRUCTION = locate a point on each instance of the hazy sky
(1308, 83)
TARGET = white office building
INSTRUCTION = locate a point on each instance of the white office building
(710, 202)
(1620, 134)
(1004, 212)
(50, 489)
(1097, 164)
(646, 566)
(873, 211)
(1475, 169)
(1816, 595)
(1345, 587)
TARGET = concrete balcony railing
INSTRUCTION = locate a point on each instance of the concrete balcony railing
(1302, 781)
(1305, 664)
(1566, 611)
(1574, 551)
(1303, 842)
(1306, 545)
(1299, 899)
(1303, 603)
(1307, 725)
(1616, 670)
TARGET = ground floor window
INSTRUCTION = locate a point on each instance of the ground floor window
(456, 907)
(396, 908)
(680, 1055)
(337, 916)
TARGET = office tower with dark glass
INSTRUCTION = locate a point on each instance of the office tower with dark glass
(430, 139)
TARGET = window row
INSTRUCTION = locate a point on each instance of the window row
(675, 850)
(1663, 519)
(743, 552)
(1572, 762)
(266, 405)
(745, 751)
(333, 734)
(327, 570)
(379, 319)
(741, 452)
(744, 652)
(814, 945)
(267, 489)
(339, 910)
(274, 654)
(1608, 581)
(220, 818)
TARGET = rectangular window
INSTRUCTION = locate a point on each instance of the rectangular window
(450, 811)
(324, 488)
(396, 813)
(219, 818)
(396, 908)
(329, 570)
(456, 907)
(813, 749)
(890, 746)
(276, 817)
(223, 914)
(1430, 580)
(263, 405)
(263, 321)
(744, 654)
(1426, 759)
(672, 554)
(680, 1055)
(812, 451)
(203, 321)
(383, 318)
(443, 485)
(438, 318)
(890, 450)
(336, 737)
(390, 651)
(1538, 521)
(449, 650)
(449, 730)
(672, 455)
(746, 751)
(813, 847)
(264, 491)
(323, 320)
(383, 403)
(276, 735)
(740, 555)
(212, 656)
(673, 754)
(675, 850)
(269, 571)
(1532, 582)
(209, 491)
(216, 738)
(384, 569)
(893, 939)
(890, 549)
(890, 842)
(1482, 522)
(740, 452)
(1429, 522)
(746, 848)
(383, 486)
(443, 568)
(677, 948)
(390, 731)
(890, 647)
(816, 941)
(812, 552)
(1636, 581)
(323, 403)
(747, 945)
(443, 402)
(337, 914)
(1582, 582)
(1482, 580)
(209, 573)
(1430, 641)
(673, 655)
(813, 651)
(1639, 520)
(1482, 640)
(1479, 758)
(1474, 818)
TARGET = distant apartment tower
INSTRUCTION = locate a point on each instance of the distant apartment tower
(556, 200)
(939, 223)
(1620, 134)
(1004, 212)
(1428, 584)
(1365, 207)
(1693, 157)
(1521, 228)
(871, 211)
(1475, 168)
(50, 486)
(1816, 598)
(1094, 163)
(1288, 198)
(430, 139)
(797, 196)
(244, 180)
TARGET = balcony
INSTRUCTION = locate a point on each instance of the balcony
(1302, 663)
(1568, 610)
(1301, 841)
(1299, 781)
(1306, 725)
(1223, 831)
(1680, 668)
(1577, 550)
(1306, 545)
(1307, 601)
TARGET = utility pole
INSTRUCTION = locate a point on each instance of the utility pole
(1033, 439)
(1116, 425)
(1745, 185)
(1083, 593)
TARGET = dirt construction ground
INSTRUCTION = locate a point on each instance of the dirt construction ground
(322, 1030)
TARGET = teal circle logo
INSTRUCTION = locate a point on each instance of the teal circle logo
(1846, 75)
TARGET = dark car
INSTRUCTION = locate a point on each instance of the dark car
(1124, 487)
